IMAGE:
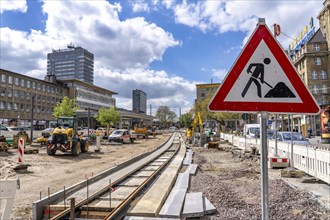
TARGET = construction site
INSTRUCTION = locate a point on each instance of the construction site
(216, 181)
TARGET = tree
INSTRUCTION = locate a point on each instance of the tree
(186, 119)
(202, 107)
(67, 107)
(165, 115)
(106, 116)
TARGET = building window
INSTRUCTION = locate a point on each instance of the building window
(3, 78)
(10, 80)
(318, 61)
(33, 85)
(28, 106)
(324, 89)
(43, 88)
(2, 105)
(15, 106)
(16, 93)
(10, 93)
(2, 91)
(315, 89)
(21, 107)
(314, 74)
(16, 81)
(39, 86)
(22, 95)
(22, 83)
(28, 96)
(28, 84)
(316, 47)
(323, 74)
(9, 106)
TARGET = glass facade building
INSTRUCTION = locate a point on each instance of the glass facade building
(139, 101)
(71, 63)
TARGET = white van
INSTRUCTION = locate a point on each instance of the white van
(252, 130)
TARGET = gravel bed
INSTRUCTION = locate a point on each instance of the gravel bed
(232, 184)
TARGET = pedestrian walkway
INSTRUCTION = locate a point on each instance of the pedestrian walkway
(321, 191)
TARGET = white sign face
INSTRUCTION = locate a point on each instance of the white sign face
(263, 80)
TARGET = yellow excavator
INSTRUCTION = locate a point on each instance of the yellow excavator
(66, 138)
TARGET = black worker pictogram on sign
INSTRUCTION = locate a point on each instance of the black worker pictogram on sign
(263, 79)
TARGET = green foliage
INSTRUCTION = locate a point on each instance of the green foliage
(67, 107)
(107, 116)
(202, 107)
(165, 115)
(186, 119)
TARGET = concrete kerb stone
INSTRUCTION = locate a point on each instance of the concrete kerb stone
(38, 206)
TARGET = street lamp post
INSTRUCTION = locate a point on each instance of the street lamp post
(32, 111)
(88, 121)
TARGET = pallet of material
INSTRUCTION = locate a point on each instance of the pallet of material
(31, 151)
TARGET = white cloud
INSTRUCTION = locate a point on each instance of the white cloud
(123, 50)
(13, 5)
(161, 88)
(140, 6)
(220, 74)
(225, 16)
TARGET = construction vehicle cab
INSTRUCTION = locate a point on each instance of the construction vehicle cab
(66, 138)
(140, 130)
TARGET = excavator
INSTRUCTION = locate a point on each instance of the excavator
(66, 138)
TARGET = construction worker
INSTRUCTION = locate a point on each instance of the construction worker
(188, 135)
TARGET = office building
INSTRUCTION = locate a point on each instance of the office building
(310, 55)
(139, 102)
(71, 63)
(19, 93)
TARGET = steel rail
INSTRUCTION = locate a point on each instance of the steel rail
(114, 214)
(65, 213)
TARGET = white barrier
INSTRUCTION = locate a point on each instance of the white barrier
(311, 159)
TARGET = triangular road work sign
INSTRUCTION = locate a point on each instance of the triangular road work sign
(263, 79)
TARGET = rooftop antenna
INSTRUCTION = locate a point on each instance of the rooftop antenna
(70, 46)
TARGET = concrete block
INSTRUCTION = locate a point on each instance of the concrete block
(193, 206)
(173, 205)
(192, 169)
(209, 208)
(182, 180)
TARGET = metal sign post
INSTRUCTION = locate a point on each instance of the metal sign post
(264, 166)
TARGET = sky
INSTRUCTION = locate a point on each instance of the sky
(163, 48)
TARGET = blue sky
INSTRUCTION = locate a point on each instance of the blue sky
(161, 47)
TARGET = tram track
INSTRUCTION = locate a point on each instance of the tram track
(97, 200)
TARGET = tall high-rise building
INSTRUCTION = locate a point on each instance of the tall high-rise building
(71, 63)
(139, 101)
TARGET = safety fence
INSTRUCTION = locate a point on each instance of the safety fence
(314, 160)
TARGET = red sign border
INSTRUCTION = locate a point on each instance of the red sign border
(308, 105)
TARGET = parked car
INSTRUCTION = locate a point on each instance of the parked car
(297, 138)
(121, 136)
(3, 128)
(17, 129)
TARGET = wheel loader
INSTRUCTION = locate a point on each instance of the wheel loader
(66, 138)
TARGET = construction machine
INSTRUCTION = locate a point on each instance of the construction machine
(66, 138)
(140, 130)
